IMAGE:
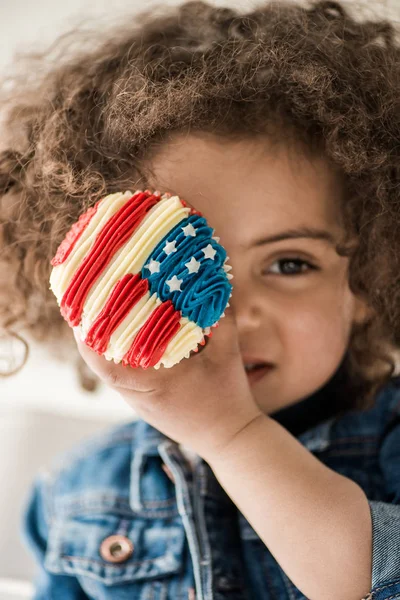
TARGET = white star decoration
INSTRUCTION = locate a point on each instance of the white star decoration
(170, 247)
(209, 252)
(153, 266)
(189, 230)
(193, 265)
(174, 284)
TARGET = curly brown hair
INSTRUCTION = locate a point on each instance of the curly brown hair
(84, 117)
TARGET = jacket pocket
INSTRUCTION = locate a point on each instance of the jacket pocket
(156, 547)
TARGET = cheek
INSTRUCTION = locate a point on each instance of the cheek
(318, 330)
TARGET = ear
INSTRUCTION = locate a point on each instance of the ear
(362, 311)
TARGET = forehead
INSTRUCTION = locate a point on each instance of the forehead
(247, 189)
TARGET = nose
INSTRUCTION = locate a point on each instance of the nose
(246, 305)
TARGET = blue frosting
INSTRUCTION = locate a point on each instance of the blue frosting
(205, 294)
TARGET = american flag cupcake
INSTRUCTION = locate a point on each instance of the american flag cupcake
(142, 279)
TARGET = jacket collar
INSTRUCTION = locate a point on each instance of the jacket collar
(149, 443)
(318, 437)
(148, 437)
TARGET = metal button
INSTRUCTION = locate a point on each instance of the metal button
(167, 470)
(116, 548)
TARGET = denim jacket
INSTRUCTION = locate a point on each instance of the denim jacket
(126, 516)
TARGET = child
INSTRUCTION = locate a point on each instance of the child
(239, 481)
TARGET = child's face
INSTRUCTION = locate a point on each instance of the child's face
(248, 191)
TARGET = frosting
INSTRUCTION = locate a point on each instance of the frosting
(121, 338)
(113, 235)
(142, 279)
(133, 255)
(186, 339)
(204, 289)
(73, 235)
(149, 344)
(61, 275)
(126, 294)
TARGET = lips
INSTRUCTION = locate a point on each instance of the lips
(256, 374)
(256, 368)
(255, 361)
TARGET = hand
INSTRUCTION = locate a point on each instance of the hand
(201, 402)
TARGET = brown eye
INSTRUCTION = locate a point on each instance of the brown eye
(290, 266)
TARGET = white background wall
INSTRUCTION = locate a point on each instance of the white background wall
(42, 409)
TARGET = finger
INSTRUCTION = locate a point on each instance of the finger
(115, 375)
(222, 344)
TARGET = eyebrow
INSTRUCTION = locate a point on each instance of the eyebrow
(300, 232)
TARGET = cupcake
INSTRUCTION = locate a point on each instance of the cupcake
(141, 278)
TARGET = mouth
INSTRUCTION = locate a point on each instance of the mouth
(256, 370)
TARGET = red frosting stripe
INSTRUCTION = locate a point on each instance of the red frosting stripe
(114, 234)
(152, 339)
(64, 249)
(126, 293)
